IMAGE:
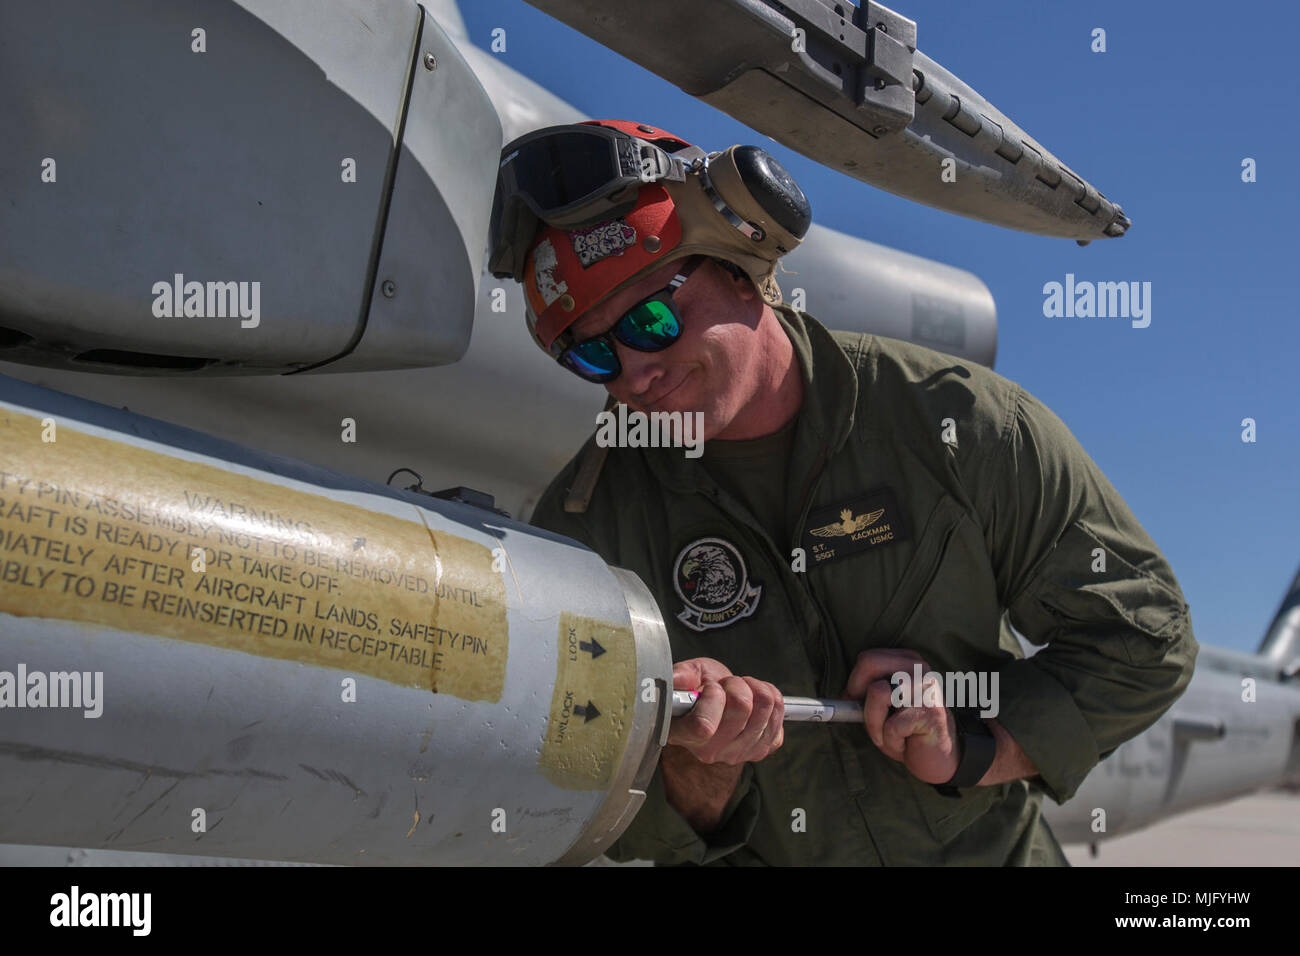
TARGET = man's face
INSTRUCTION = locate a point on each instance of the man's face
(712, 368)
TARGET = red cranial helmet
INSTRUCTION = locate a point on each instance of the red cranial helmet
(739, 206)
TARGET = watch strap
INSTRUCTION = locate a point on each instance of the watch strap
(978, 749)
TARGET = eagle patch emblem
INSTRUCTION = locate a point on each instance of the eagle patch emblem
(709, 576)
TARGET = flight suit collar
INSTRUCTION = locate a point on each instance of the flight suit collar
(830, 381)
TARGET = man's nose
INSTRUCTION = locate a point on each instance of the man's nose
(640, 370)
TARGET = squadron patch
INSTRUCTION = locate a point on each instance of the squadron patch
(606, 238)
(709, 575)
(872, 521)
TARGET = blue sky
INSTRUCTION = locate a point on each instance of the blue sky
(1159, 123)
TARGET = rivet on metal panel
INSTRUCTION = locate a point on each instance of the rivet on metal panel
(430, 61)
(389, 288)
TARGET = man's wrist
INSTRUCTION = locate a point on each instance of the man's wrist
(977, 748)
(1011, 762)
(699, 791)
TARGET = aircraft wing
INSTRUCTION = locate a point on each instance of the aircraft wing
(847, 86)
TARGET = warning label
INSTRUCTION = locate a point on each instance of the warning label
(592, 706)
(104, 532)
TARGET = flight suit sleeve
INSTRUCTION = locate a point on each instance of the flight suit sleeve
(1078, 574)
(658, 832)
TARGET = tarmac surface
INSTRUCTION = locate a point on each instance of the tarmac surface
(1262, 829)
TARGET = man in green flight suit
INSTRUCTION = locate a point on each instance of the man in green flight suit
(862, 506)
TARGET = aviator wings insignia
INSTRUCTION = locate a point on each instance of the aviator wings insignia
(847, 524)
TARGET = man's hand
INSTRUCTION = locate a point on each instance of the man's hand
(923, 739)
(736, 720)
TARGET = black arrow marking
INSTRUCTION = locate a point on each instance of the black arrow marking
(594, 648)
(588, 713)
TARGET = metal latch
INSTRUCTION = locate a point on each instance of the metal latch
(459, 494)
(866, 51)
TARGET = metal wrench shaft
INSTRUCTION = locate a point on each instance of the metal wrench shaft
(796, 708)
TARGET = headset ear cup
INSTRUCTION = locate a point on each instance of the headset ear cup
(774, 189)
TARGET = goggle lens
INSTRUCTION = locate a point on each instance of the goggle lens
(564, 168)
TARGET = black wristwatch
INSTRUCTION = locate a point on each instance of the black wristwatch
(978, 747)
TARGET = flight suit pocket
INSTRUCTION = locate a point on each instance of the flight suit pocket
(1073, 591)
(918, 575)
(948, 816)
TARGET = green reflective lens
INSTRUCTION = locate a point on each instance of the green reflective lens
(650, 326)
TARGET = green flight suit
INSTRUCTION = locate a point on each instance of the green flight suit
(917, 532)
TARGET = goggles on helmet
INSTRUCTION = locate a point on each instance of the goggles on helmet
(569, 176)
(651, 325)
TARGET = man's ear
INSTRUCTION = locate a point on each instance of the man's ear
(741, 283)
(738, 279)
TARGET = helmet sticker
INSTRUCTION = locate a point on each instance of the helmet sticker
(544, 264)
(606, 238)
(709, 575)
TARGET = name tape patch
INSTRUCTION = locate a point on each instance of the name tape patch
(873, 521)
